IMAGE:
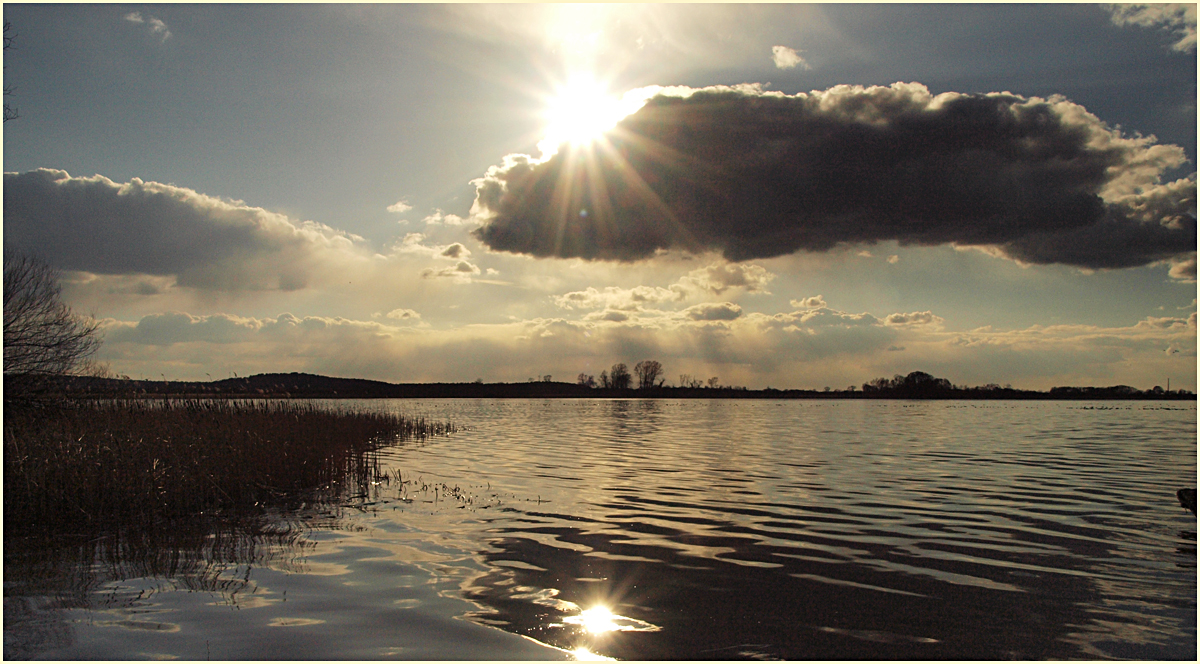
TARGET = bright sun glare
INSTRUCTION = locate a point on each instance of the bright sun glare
(598, 620)
(582, 110)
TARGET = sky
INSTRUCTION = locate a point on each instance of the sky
(787, 196)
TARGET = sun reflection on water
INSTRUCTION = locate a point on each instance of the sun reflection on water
(595, 620)
(584, 655)
(600, 620)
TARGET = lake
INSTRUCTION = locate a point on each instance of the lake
(674, 529)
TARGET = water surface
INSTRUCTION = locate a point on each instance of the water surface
(679, 529)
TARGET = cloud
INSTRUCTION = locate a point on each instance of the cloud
(713, 279)
(712, 311)
(788, 58)
(403, 314)
(411, 244)
(1184, 270)
(915, 318)
(92, 224)
(814, 302)
(624, 299)
(1177, 18)
(400, 206)
(893, 259)
(755, 174)
(609, 315)
(787, 349)
(1166, 323)
(720, 277)
(156, 26)
(461, 272)
(445, 219)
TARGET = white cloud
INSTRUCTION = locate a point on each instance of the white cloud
(1184, 270)
(814, 302)
(403, 314)
(720, 277)
(461, 272)
(156, 26)
(609, 315)
(1177, 18)
(95, 225)
(446, 219)
(1166, 323)
(623, 299)
(714, 279)
(400, 206)
(713, 311)
(915, 318)
(411, 244)
(800, 349)
(788, 58)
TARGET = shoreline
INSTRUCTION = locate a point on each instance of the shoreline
(311, 386)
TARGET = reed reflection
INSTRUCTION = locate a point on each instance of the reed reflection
(118, 574)
(113, 504)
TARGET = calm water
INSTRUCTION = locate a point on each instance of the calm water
(655, 529)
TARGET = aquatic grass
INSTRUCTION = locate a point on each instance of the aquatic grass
(104, 463)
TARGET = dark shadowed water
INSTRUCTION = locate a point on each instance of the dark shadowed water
(653, 529)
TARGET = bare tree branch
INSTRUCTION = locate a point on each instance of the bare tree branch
(648, 373)
(42, 336)
(10, 113)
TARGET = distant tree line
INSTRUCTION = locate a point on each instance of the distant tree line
(920, 385)
(649, 375)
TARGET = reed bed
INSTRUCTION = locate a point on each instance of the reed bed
(112, 462)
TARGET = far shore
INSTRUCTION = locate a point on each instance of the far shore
(310, 386)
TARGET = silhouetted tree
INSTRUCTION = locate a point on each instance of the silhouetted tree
(620, 377)
(648, 372)
(42, 336)
(604, 381)
(586, 380)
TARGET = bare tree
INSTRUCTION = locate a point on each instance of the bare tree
(648, 372)
(42, 336)
(688, 380)
(619, 378)
(10, 113)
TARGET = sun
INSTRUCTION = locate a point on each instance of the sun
(582, 110)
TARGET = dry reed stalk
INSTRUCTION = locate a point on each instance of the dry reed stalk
(98, 463)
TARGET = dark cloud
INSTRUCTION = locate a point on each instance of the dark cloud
(92, 224)
(754, 174)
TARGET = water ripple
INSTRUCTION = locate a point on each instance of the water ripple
(923, 530)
